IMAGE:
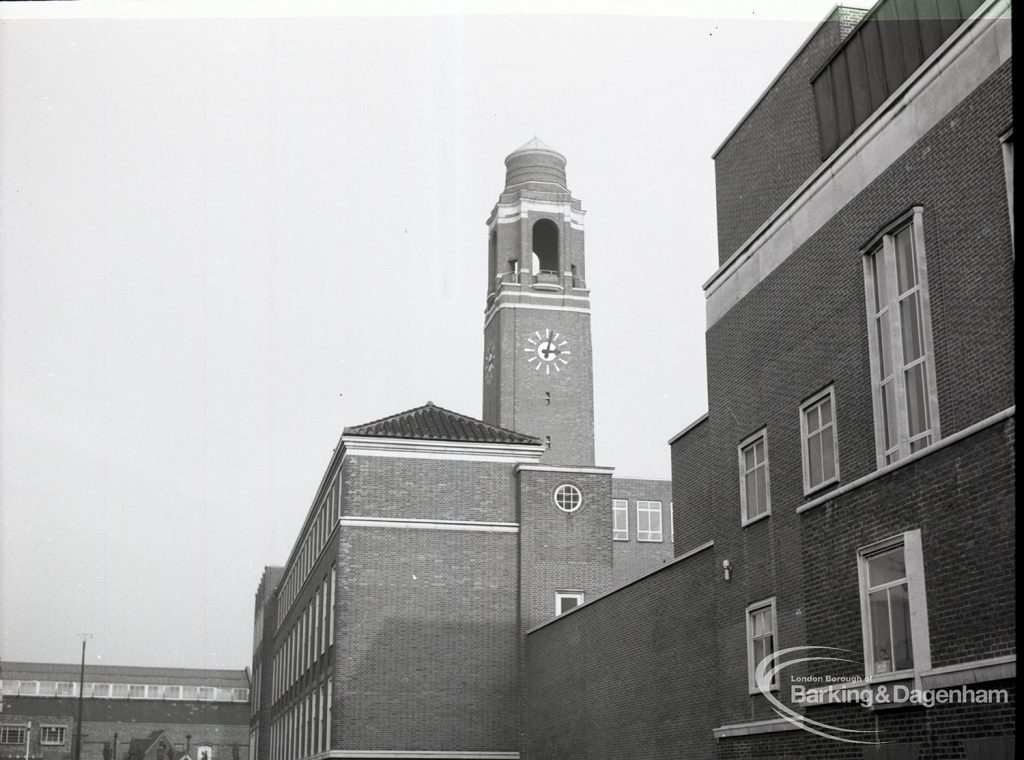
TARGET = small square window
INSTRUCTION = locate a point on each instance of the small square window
(52, 736)
(567, 600)
(755, 488)
(760, 643)
(648, 521)
(818, 440)
(620, 520)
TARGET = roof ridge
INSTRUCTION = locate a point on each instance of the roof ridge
(431, 421)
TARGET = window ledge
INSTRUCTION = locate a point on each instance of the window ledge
(753, 520)
(808, 492)
(977, 427)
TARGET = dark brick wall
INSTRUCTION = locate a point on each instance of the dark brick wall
(691, 489)
(631, 675)
(961, 498)
(558, 550)
(428, 489)
(775, 148)
(429, 656)
(633, 558)
(801, 329)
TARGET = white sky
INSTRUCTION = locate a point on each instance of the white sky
(211, 228)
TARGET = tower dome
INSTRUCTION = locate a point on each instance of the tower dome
(535, 162)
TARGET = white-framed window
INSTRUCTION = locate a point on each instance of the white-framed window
(620, 520)
(567, 600)
(172, 692)
(648, 521)
(207, 693)
(204, 752)
(13, 734)
(10, 687)
(761, 640)
(47, 688)
(52, 736)
(755, 489)
(29, 688)
(136, 691)
(154, 692)
(819, 441)
(894, 613)
(239, 695)
(904, 398)
(119, 690)
(66, 689)
(100, 690)
(568, 497)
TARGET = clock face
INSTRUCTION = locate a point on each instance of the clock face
(489, 363)
(547, 350)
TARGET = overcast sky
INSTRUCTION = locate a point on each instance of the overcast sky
(224, 239)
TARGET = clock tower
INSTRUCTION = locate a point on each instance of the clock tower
(538, 367)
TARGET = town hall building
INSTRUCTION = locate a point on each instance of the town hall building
(437, 540)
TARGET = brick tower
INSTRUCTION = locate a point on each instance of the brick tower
(538, 366)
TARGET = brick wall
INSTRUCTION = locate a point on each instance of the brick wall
(427, 621)
(559, 550)
(775, 147)
(632, 558)
(428, 489)
(630, 675)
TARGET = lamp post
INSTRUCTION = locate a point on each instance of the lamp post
(81, 693)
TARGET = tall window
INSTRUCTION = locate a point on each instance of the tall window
(755, 493)
(894, 616)
(648, 521)
(620, 520)
(760, 640)
(900, 340)
(818, 440)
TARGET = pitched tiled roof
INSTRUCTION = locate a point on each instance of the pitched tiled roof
(430, 422)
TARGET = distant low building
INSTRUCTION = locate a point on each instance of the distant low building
(128, 713)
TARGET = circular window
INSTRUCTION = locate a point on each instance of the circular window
(568, 498)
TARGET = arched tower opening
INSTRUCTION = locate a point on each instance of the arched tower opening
(545, 246)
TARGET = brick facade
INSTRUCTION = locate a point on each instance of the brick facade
(632, 557)
(787, 320)
(223, 727)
